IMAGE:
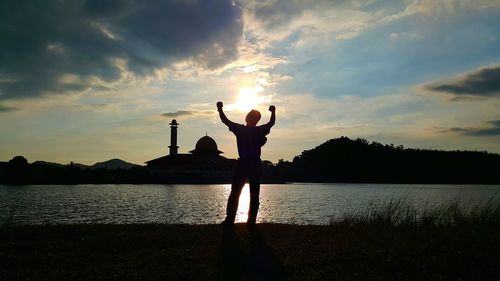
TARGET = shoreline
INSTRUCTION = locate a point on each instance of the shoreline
(492, 183)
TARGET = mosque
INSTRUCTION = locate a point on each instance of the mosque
(203, 164)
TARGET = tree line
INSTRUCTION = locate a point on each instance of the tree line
(346, 160)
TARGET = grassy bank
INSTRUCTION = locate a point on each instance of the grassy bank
(401, 211)
(387, 242)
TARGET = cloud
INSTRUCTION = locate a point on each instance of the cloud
(60, 46)
(484, 82)
(319, 21)
(431, 7)
(272, 14)
(492, 130)
(282, 21)
(95, 107)
(7, 108)
(188, 113)
(177, 113)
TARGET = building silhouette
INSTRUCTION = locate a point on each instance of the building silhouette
(202, 164)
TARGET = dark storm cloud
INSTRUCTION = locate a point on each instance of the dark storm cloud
(56, 46)
(486, 132)
(492, 130)
(187, 113)
(484, 82)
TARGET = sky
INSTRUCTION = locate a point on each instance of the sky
(87, 81)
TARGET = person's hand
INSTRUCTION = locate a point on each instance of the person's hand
(219, 105)
(272, 108)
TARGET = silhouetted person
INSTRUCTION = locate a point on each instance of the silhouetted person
(249, 138)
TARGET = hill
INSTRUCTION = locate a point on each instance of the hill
(113, 164)
(47, 163)
(346, 160)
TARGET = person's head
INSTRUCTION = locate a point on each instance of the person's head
(252, 118)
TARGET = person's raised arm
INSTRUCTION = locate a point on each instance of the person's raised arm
(222, 116)
(271, 122)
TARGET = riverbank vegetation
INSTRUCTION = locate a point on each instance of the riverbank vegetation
(401, 212)
(391, 241)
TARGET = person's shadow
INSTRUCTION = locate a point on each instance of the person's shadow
(254, 261)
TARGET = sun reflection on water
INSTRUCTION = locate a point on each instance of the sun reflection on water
(243, 205)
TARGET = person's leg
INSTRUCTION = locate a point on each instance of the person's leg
(254, 200)
(234, 197)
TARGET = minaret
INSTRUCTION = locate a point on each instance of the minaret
(173, 137)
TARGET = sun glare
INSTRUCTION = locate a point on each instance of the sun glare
(249, 98)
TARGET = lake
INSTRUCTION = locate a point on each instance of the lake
(205, 204)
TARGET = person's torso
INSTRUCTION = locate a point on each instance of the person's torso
(249, 141)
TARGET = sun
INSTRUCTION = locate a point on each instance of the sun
(249, 98)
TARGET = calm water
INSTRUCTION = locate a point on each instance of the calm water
(205, 204)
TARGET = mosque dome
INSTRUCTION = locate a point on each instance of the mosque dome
(206, 145)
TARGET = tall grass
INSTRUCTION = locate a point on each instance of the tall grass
(400, 211)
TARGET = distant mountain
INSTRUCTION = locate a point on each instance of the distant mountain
(113, 164)
(81, 166)
(47, 163)
(19, 172)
